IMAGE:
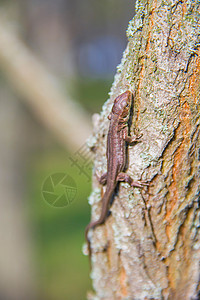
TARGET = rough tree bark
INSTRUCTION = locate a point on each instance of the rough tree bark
(149, 247)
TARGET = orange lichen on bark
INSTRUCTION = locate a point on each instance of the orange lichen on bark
(179, 157)
(184, 8)
(179, 267)
(195, 80)
(173, 189)
(124, 291)
(141, 75)
(151, 23)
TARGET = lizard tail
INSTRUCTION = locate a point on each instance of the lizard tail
(105, 204)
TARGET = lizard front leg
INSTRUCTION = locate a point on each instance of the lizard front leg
(130, 139)
(126, 178)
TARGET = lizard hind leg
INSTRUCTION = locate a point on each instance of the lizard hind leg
(125, 177)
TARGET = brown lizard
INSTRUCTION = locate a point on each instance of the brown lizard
(116, 156)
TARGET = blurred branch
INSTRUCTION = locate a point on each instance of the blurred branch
(41, 91)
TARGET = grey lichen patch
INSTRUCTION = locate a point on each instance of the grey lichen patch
(146, 157)
(95, 196)
(134, 25)
(122, 232)
(91, 141)
(106, 108)
(185, 38)
(120, 67)
(165, 129)
(118, 83)
(100, 165)
(96, 275)
(141, 7)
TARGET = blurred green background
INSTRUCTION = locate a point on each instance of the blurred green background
(78, 44)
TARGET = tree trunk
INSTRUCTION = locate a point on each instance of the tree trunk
(149, 247)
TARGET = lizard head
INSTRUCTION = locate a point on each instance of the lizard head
(121, 106)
